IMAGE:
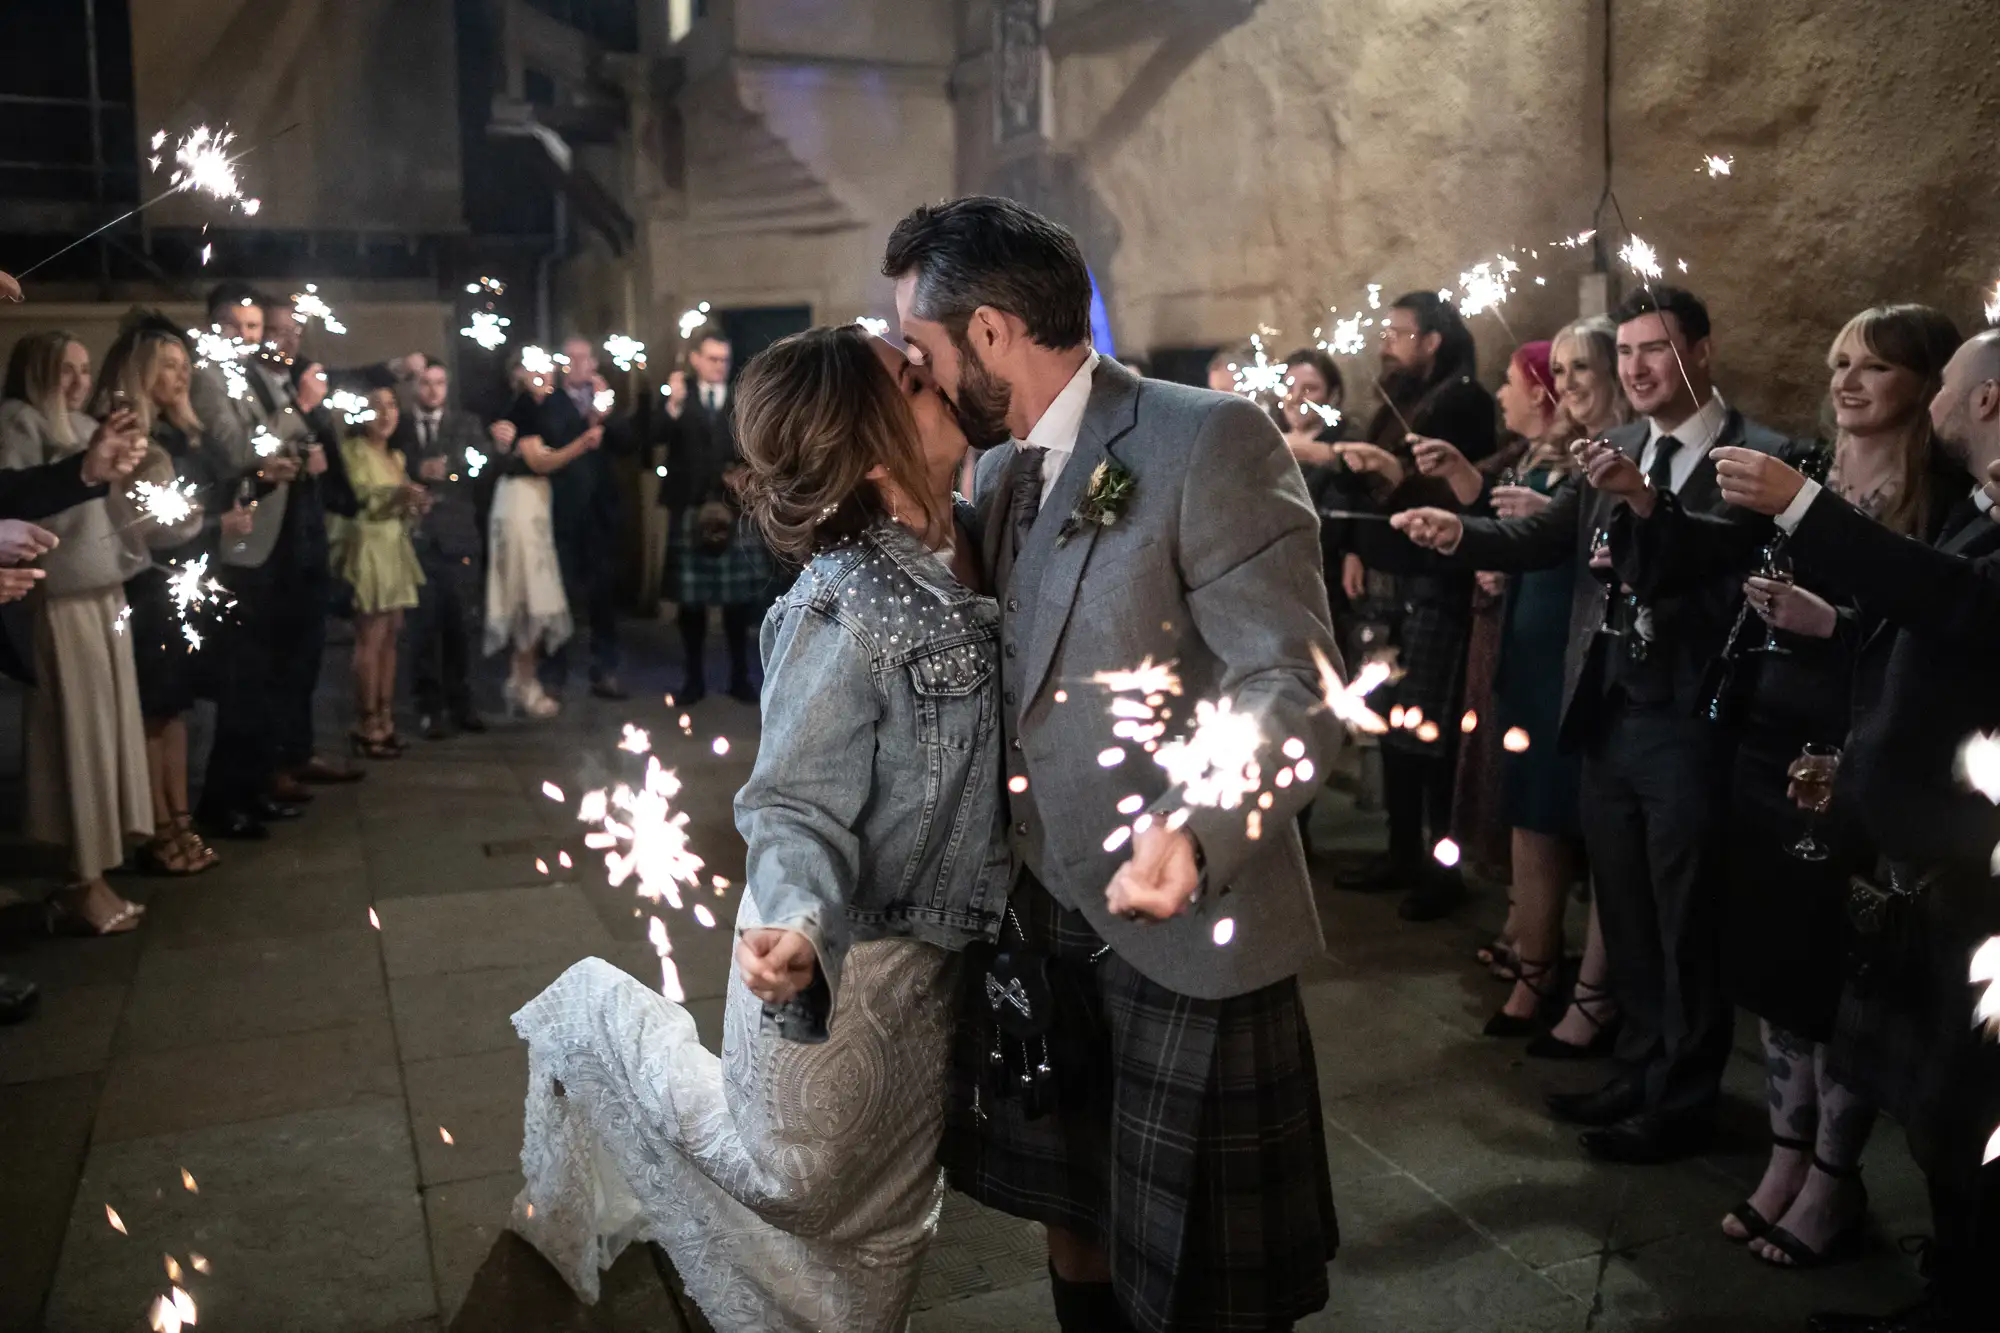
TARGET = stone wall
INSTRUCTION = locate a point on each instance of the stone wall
(1235, 163)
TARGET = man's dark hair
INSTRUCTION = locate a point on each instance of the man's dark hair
(708, 333)
(433, 363)
(1683, 305)
(276, 301)
(982, 251)
(1456, 358)
(226, 295)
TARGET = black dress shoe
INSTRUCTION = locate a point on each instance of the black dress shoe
(18, 999)
(237, 825)
(744, 692)
(471, 722)
(691, 693)
(1367, 874)
(272, 812)
(433, 727)
(607, 687)
(1649, 1138)
(1604, 1106)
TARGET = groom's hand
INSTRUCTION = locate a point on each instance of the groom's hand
(776, 964)
(1161, 878)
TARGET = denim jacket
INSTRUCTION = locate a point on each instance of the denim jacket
(874, 808)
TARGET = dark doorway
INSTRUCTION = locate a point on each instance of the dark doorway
(753, 328)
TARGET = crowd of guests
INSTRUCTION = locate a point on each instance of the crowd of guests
(1641, 644)
(295, 494)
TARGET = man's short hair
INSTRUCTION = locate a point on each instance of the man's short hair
(983, 251)
(227, 295)
(1686, 308)
(432, 363)
(708, 333)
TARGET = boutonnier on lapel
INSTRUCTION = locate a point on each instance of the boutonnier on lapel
(1103, 501)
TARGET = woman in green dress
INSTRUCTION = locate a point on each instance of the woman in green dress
(373, 552)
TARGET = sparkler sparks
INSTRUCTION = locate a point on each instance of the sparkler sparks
(1146, 678)
(1345, 699)
(553, 792)
(1978, 764)
(487, 329)
(604, 400)
(871, 325)
(1224, 931)
(474, 461)
(265, 444)
(187, 1182)
(1985, 971)
(693, 319)
(537, 362)
(1445, 853)
(1328, 414)
(1515, 741)
(491, 286)
(351, 406)
(1640, 257)
(117, 1222)
(373, 919)
(1216, 763)
(1993, 304)
(625, 352)
(445, 1134)
(1348, 339)
(225, 354)
(168, 504)
(1263, 376)
(202, 162)
(1486, 286)
(309, 305)
(1716, 165)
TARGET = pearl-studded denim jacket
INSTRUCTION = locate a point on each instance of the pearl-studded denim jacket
(874, 808)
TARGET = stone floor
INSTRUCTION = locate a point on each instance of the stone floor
(302, 1067)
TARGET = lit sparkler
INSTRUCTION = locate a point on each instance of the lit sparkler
(604, 400)
(352, 407)
(1344, 699)
(1262, 376)
(1978, 764)
(1328, 414)
(1486, 286)
(202, 162)
(625, 352)
(1640, 257)
(872, 325)
(693, 319)
(265, 444)
(474, 461)
(1716, 165)
(166, 503)
(1146, 678)
(537, 362)
(1348, 339)
(1993, 305)
(309, 305)
(1216, 763)
(226, 354)
(487, 329)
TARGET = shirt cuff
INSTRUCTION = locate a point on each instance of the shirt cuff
(1795, 512)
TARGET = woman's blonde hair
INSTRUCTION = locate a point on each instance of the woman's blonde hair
(1920, 340)
(34, 375)
(815, 413)
(1598, 338)
(129, 366)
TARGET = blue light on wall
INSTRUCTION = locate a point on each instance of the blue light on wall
(1100, 322)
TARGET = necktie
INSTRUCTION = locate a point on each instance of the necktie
(430, 433)
(1661, 474)
(1026, 501)
(711, 397)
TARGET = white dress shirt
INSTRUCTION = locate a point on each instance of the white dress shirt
(427, 427)
(1697, 436)
(1059, 426)
(712, 396)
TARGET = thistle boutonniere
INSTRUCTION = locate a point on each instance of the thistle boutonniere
(1103, 502)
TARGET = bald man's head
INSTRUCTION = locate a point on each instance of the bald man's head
(1966, 411)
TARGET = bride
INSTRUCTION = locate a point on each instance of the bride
(794, 1182)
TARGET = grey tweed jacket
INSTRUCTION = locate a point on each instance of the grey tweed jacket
(1214, 565)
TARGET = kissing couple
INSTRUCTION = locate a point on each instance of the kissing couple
(972, 949)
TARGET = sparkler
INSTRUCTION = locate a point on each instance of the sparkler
(1263, 375)
(1978, 764)
(213, 349)
(1445, 853)
(487, 329)
(1216, 763)
(1993, 305)
(1640, 257)
(1328, 414)
(309, 305)
(604, 400)
(1146, 678)
(117, 1222)
(1717, 166)
(168, 503)
(625, 352)
(693, 319)
(871, 325)
(265, 444)
(474, 461)
(351, 406)
(1345, 700)
(1485, 287)
(1348, 339)
(537, 362)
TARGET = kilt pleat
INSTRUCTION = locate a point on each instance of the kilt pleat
(1198, 1162)
(744, 573)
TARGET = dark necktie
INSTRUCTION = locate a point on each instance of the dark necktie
(1661, 474)
(430, 433)
(1026, 501)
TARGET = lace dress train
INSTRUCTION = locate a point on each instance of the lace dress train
(794, 1186)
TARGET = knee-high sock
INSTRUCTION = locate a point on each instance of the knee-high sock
(694, 634)
(737, 623)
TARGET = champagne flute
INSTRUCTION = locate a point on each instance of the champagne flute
(1775, 565)
(1601, 570)
(1812, 774)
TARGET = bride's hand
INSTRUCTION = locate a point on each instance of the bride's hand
(776, 964)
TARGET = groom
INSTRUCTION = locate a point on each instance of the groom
(1151, 1097)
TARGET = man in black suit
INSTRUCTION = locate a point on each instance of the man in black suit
(1654, 776)
(1925, 685)
(434, 438)
(584, 513)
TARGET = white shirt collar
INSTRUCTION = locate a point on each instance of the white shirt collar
(712, 395)
(1062, 423)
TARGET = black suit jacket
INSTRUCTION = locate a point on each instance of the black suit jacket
(701, 447)
(452, 528)
(36, 492)
(1925, 682)
(1690, 622)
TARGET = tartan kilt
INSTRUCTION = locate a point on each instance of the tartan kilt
(744, 573)
(1431, 629)
(1197, 1159)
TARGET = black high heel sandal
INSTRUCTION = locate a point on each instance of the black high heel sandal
(1604, 1034)
(1755, 1225)
(1843, 1245)
(1533, 976)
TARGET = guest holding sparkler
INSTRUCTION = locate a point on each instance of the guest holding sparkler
(444, 446)
(373, 552)
(525, 606)
(1429, 391)
(1654, 775)
(151, 367)
(85, 750)
(583, 504)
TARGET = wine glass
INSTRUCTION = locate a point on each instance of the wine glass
(1601, 570)
(1812, 775)
(1775, 565)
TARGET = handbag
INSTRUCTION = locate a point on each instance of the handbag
(714, 526)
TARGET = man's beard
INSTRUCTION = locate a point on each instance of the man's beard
(1402, 384)
(982, 401)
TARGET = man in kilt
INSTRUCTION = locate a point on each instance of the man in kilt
(1133, 1066)
(713, 558)
(1906, 1034)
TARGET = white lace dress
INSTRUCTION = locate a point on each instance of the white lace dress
(794, 1186)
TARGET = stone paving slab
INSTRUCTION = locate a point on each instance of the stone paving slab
(478, 1099)
(489, 928)
(72, 1037)
(204, 994)
(218, 910)
(44, 1131)
(166, 1092)
(309, 1222)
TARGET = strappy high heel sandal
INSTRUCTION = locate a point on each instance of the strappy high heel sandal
(197, 853)
(1843, 1245)
(1755, 1225)
(1604, 1031)
(1535, 976)
(64, 919)
(371, 747)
